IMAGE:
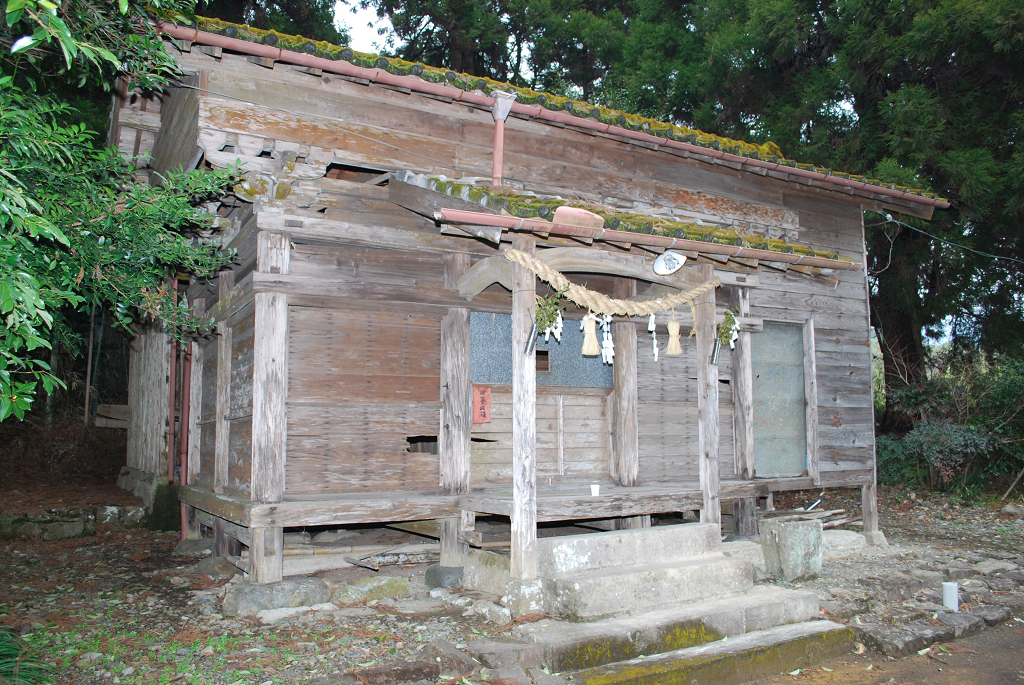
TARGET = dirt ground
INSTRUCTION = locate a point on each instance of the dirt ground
(992, 657)
(120, 608)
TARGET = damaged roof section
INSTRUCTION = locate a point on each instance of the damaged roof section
(757, 158)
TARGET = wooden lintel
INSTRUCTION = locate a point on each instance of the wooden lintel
(497, 269)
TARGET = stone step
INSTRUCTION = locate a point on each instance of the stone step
(657, 545)
(604, 591)
(570, 646)
(747, 657)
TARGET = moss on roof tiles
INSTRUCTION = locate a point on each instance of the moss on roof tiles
(766, 151)
(530, 206)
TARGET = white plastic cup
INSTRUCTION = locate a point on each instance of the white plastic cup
(951, 596)
(595, 490)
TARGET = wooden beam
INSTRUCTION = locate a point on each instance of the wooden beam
(624, 423)
(270, 375)
(743, 393)
(811, 401)
(456, 410)
(707, 404)
(229, 507)
(576, 260)
(375, 508)
(222, 430)
(428, 528)
(580, 504)
(524, 419)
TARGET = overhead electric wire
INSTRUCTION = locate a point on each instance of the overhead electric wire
(889, 219)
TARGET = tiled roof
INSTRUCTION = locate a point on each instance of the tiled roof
(767, 151)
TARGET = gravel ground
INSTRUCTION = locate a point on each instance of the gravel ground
(119, 607)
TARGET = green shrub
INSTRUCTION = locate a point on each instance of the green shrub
(968, 426)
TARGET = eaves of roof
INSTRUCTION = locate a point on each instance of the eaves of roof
(544, 107)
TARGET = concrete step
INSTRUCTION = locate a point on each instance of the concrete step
(604, 591)
(570, 646)
(751, 656)
(657, 545)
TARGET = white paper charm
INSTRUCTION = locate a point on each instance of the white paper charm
(554, 329)
(652, 326)
(607, 346)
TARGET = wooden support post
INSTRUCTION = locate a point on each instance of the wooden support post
(453, 445)
(869, 508)
(192, 531)
(223, 544)
(624, 419)
(266, 554)
(625, 440)
(222, 430)
(269, 408)
(707, 404)
(196, 405)
(524, 419)
(811, 401)
(744, 516)
(743, 394)
(744, 511)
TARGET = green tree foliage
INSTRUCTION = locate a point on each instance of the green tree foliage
(480, 37)
(310, 18)
(75, 228)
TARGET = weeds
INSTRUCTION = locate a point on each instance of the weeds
(17, 664)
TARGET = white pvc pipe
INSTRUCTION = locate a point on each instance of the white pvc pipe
(951, 596)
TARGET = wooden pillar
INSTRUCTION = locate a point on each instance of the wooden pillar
(869, 507)
(266, 554)
(453, 443)
(744, 510)
(624, 420)
(524, 418)
(707, 404)
(223, 544)
(625, 441)
(269, 409)
(195, 404)
(222, 425)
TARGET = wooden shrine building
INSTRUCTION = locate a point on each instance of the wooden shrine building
(370, 359)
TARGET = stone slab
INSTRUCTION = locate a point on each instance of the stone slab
(657, 545)
(611, 590)
(506, 653)
(893, 587)
(248, 599)
(992, 615)
(747, 657)
(963, 624)
(571, 645)
(842, 544)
